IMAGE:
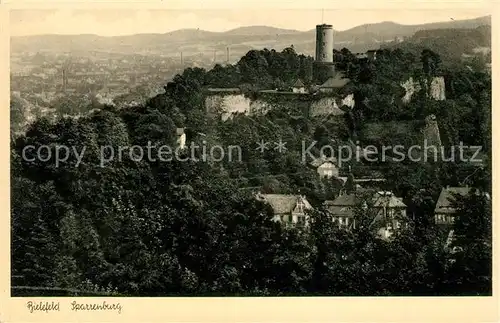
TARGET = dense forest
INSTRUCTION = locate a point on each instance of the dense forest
(150, 228)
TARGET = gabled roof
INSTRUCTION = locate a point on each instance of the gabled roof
(447, 198)
(283, 203)
(298, 83)
(321, 160)
(179, 131)
(387, 199)
(335, 82)
(343, 205)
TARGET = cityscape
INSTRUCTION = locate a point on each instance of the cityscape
(258, 161)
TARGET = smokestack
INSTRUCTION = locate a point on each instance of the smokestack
(227, 59)
(182, 61)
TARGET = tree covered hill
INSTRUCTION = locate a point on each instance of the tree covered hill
(452, 44)
(146, 227)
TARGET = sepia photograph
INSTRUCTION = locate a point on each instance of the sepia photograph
(249, 153)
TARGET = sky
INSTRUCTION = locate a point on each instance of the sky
(113, 22)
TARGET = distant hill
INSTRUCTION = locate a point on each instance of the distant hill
(389, 29)
(240, 40)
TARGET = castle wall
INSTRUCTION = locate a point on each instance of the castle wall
(226, 105)
(437, 90)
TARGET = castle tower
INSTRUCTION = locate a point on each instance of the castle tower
(323, 65)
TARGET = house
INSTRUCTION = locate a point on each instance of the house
(389, 210)
(445, 211)
(298, 87)
(181, 138)
(326, 167)
(342, 209)
(288, 209)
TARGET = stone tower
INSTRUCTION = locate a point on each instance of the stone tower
(431, 131)
(324, 43)
(323, 64)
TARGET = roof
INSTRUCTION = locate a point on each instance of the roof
(447, 198)
(345, 204)
(283, 203)
(335, 82)
(321, 160)
(179, 131)
(298, 83)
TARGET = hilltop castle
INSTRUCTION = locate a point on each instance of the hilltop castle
(322, 98)
(326, 95)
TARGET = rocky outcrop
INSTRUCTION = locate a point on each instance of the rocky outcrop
(226, 105)
(330, 105)
(431, 131)
(436, 90)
